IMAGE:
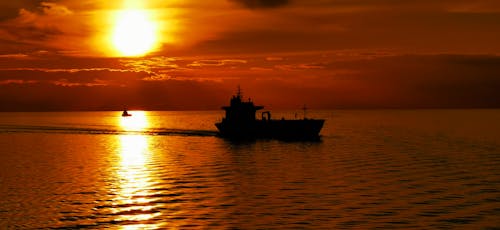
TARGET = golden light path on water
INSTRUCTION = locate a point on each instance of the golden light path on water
(134, 174)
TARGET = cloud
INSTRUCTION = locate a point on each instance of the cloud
(65, 94)
(66, 83)
(305, 66)
(364, 79)
(150, 65)
(71, 77)
(262, 4)
(16, 81)
(10, 9)
(200, 28)
(274, 58)
(50, 26)
(15, 56)
(225, 62)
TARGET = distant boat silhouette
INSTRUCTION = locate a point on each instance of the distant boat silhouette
(126, 114)
(240, 122)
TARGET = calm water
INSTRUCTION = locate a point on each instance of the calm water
(383, 169)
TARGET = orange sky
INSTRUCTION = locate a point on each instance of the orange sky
(63, 55)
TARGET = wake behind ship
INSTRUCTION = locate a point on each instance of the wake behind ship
(240, 123)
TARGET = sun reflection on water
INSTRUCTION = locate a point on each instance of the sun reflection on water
(137, 122)
(134, 202)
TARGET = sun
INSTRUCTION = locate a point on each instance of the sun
(134, 33)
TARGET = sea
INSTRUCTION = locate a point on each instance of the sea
(371, 169)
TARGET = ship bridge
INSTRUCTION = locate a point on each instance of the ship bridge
(240, 111)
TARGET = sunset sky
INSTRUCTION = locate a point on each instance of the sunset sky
(191, 54)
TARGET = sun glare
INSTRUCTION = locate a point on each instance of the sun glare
(134, 33)
(137, 122)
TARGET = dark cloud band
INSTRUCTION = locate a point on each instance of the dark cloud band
(258, 4)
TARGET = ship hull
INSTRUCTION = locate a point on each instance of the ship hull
(306, 129)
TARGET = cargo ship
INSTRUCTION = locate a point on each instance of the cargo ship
(240, 122)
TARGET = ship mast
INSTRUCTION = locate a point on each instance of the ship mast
(239, 94)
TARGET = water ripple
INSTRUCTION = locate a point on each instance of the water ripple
(366, 176)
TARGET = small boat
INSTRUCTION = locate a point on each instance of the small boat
(240, 123)
(126, 114)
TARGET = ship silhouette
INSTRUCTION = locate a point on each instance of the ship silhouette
(125, 113)
(240, 123)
